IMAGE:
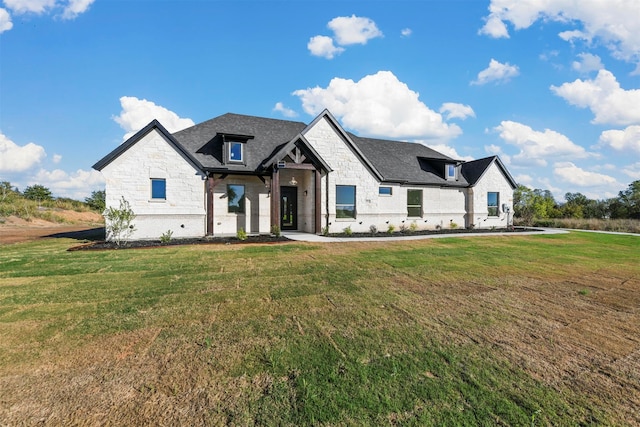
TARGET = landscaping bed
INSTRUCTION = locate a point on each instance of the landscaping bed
(133, 244)
(436, 232)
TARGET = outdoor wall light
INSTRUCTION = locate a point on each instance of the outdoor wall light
(293, 181)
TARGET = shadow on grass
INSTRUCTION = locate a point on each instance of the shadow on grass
(92, 234)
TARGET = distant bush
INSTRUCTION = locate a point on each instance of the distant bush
(616, 225)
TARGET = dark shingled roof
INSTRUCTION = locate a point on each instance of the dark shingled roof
(204, 140)
(474, 170)
(406, 162)
(393, 161)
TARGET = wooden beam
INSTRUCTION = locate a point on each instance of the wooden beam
(301, 166)
(275, 198)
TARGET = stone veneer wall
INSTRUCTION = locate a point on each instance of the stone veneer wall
(441, 206)
(129, 176)
(492, 181)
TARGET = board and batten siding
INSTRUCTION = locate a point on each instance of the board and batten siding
(129, 176)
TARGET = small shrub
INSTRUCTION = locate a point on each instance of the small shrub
(413, 226)
(438, 227)
(325, 230)
(166, 237)
(241, 234)
(348, 231)
(275, 230)
(391, 228)
(453, 225)
(403, 228)
(373, 229)
(584, 292)
(118, 222)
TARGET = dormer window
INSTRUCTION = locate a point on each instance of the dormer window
(236, 151)
(450, 171)
(234, 148)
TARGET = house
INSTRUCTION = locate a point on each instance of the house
(254, 173)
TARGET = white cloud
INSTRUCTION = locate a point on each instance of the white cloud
(137, 113)
(496, 150)
(353, 30)
(347, 30)
(496, 72)
(323, 46)
(29, 6)
(57, 158)
(406, 32)
(524, 179)
(66, 9)
(287, 112)
(587, 63)
(494, 27)
(628, 139)
(613, 22)
(447, 151)
(75, 8)
(604, 97)
(632, 171)
(5, 21)
(16, 158)
(378, 105)
(535, 146)
(457, 111)
(76, 185)
(572, 174)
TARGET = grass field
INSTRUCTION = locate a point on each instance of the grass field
(517, 330)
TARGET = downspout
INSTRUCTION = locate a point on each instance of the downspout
(470, 213)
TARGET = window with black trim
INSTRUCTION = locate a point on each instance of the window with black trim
(414, 203)
(493, 203)
(158, 189)
(345, 201)
(235, 196)
(385, 191)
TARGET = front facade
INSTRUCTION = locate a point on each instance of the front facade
(242, 172)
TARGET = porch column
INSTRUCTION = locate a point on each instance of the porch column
(318, 201)
(275, 197)
(210, 185)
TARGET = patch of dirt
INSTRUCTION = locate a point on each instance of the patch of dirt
(15, 230)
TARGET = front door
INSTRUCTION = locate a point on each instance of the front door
(289, 208)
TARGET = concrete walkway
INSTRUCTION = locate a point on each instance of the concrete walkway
(309, 237)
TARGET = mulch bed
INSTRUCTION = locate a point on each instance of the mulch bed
(438, 232)
(139, 244)
(267, 239)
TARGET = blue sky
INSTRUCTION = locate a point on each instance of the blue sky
(554, 90)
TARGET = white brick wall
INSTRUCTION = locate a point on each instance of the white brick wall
(129, 176)
(441, 206)
(493, 180)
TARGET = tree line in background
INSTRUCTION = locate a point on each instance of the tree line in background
(530, 205)
(42, 195)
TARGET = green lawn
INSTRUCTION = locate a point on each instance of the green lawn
(516, 330)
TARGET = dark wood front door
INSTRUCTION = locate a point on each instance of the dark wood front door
(288, 208)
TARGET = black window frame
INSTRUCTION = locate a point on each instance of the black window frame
(340, 213)
(232, 196)
(493, 210)
(413, 206)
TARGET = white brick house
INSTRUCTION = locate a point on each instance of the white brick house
(253, 173)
